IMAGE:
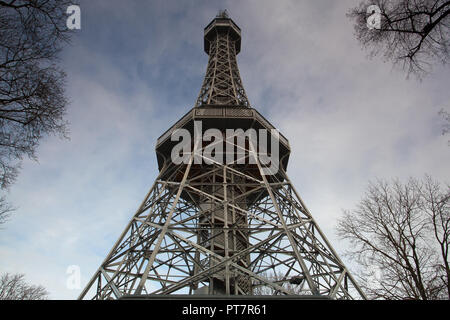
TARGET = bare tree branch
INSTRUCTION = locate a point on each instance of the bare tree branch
(32, 85)
(14, 287)
(5, 210)
(413, 33)
(401, 232)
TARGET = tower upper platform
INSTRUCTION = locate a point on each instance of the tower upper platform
(222, 24)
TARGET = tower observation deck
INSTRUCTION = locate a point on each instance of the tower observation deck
(222, 217)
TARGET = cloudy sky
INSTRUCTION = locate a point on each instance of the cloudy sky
(135, 67)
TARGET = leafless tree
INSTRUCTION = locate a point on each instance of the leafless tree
(32, 97)
(399, 236)
(14, 287)
(5, 210)
(414, 33)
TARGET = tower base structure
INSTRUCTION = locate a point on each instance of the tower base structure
(222, 229)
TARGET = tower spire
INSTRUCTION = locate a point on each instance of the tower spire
(222, 14)
(222, 84)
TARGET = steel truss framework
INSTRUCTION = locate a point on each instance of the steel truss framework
(222, 84)
(222, 225)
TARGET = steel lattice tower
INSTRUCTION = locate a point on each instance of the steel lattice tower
(222, 228)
